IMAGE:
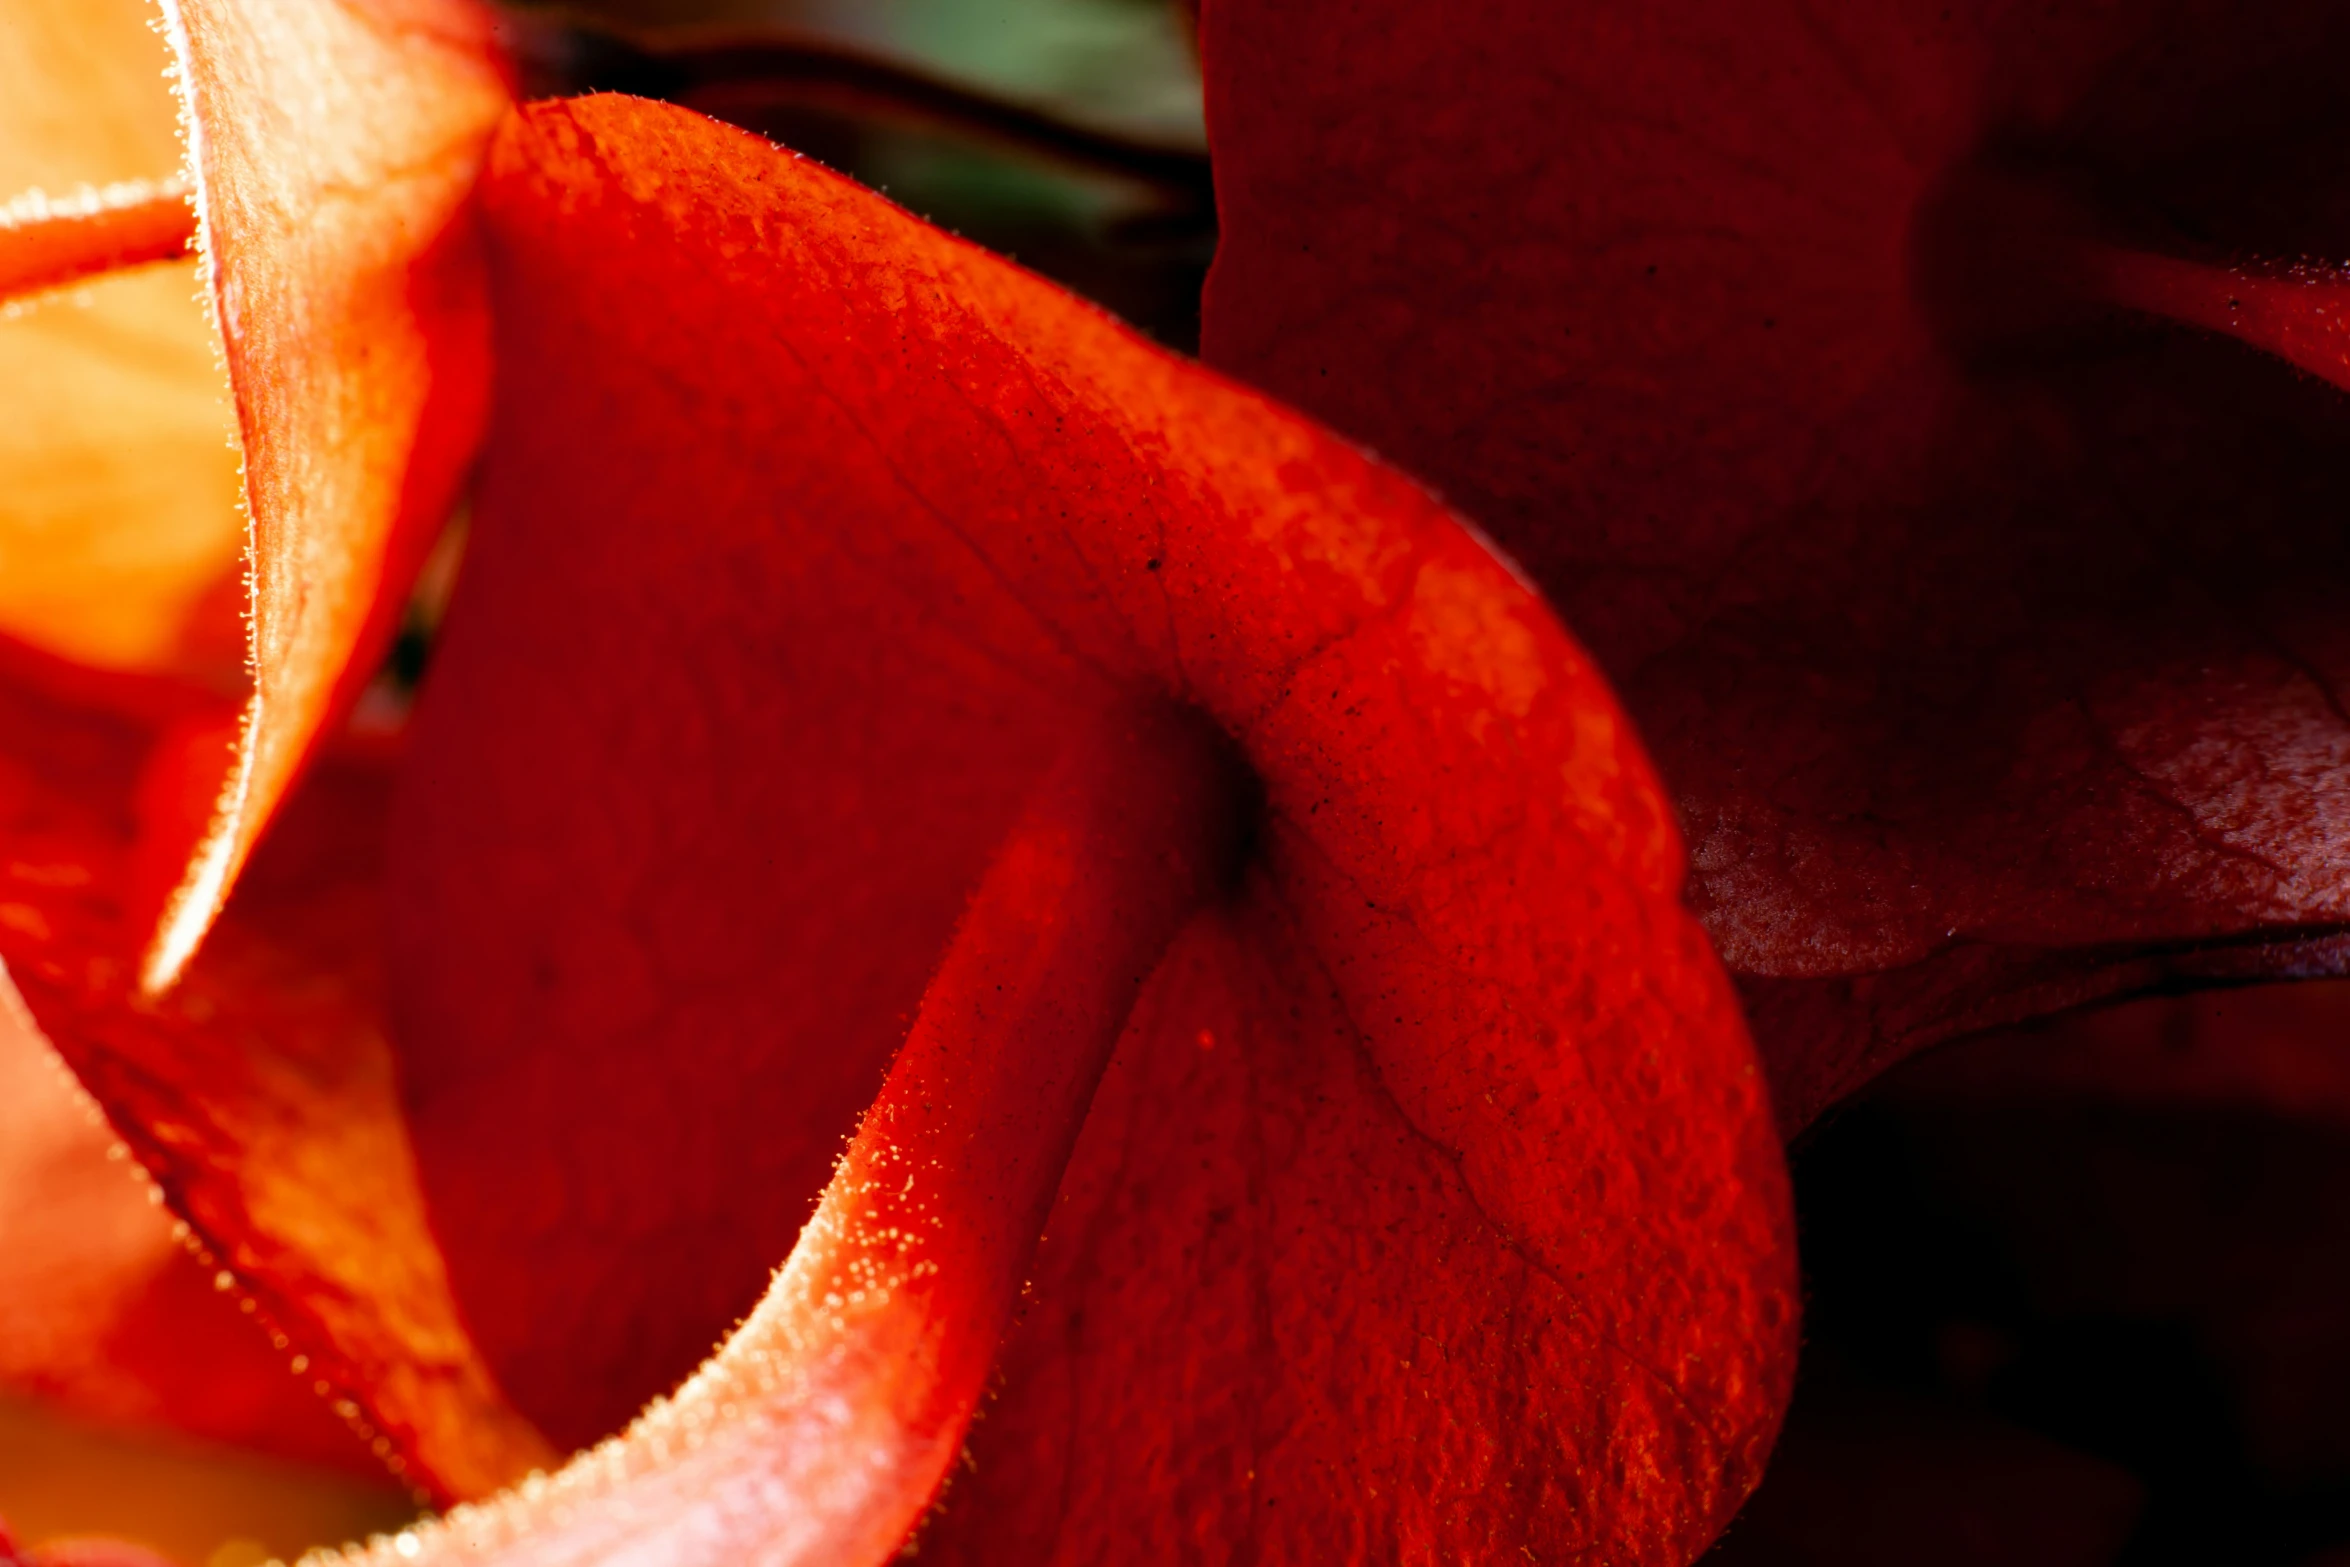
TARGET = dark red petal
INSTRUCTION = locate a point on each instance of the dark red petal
(335, 148)
(1988, 634)
(808, 537)
(2125, 1230)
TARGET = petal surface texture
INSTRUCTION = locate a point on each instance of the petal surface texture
(335, 148)
(1429, 1204)
(1980, 604)
(120, 529)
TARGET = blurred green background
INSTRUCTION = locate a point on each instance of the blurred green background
(1065, 134)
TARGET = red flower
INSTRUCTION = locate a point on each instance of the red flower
(882, 688)
(876, 673)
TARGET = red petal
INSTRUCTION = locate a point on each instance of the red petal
(349, 292)
(808, 536)
(1991, 648)
(259, 1093)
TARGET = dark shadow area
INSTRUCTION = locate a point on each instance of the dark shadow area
(2077, 1295)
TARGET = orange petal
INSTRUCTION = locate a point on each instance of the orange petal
(46, 243)
(335, 152)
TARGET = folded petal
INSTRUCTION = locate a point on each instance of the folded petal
(259, 1093)
(1430, 1202)
(1976, 591)
(334, 150)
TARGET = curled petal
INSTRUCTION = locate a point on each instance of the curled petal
(1430, 1199)
(347, 284)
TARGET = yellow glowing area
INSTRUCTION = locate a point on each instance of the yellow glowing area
(120, 525)
(120, 520)
(200, 1506)
(83, 100)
